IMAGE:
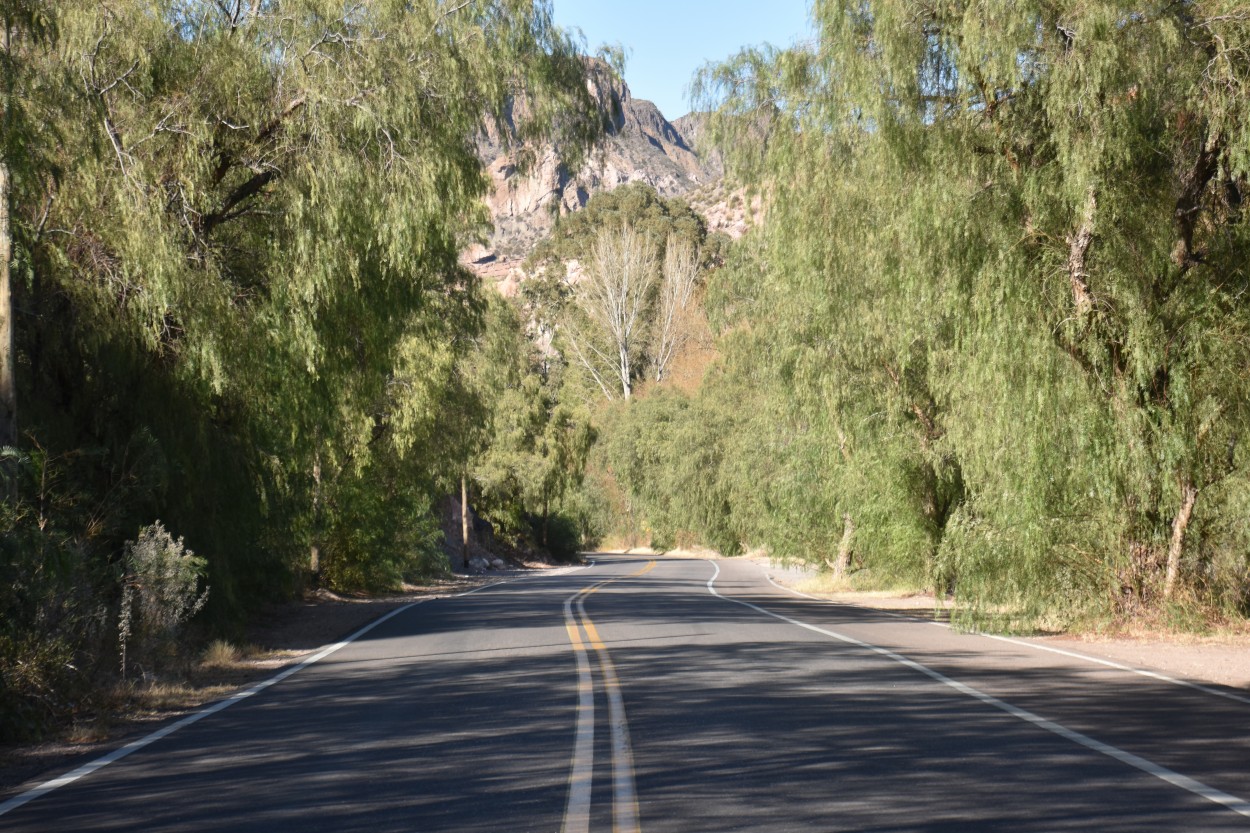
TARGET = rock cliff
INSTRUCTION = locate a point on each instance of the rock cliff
(641, 145)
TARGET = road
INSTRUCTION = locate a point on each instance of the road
(678, 695)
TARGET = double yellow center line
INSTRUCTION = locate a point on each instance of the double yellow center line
(581, 774)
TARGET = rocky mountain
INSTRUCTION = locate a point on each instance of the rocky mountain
(641, 146)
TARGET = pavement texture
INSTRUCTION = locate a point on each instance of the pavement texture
(680, 709)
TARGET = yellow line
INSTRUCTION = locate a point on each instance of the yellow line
(581, 770)
(624, 796)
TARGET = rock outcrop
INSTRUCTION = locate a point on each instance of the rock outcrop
(641, 146)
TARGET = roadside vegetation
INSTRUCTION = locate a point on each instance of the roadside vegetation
(993, 336)
(990, 337)
(235, 307)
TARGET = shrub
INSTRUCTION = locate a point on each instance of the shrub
(563, 536)
(160, 591)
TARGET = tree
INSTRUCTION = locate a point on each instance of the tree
(575, 284)
(1004, 266)
(635, 204)
(614, 302)
(672, 325)
(534, 446)
(27, 25)
(265, 213)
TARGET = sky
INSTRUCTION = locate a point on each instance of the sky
(666, 41)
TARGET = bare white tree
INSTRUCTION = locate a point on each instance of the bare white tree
(672, 331)
(613, 298)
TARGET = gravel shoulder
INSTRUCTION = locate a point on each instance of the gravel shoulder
(1218, 659)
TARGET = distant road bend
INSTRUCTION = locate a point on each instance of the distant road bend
(666, 694)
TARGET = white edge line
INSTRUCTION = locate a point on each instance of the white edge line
(1119, 666)
(135, 745)
(1154, 675)
(1232, 802)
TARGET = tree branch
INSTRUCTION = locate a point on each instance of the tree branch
(245, 191)
(1189, 202)
(1078, 252)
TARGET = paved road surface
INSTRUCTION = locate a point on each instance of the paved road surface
(679, 695)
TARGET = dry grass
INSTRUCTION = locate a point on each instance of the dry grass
(176, 696)
(823, 584)
(220, 654)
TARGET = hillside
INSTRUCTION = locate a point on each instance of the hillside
(641, 146)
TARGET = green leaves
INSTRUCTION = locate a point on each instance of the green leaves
(995, 315)
(246, 219)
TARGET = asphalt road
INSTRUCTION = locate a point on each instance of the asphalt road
(678, 695)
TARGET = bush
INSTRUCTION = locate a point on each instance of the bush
(563, 536)
(160, 591)
(55, 629)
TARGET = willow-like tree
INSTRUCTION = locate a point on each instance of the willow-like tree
(1005, 266)
(267, 204)
(27, 26)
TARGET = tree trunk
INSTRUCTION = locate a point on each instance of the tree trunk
(846, 547)
(314, 549)
(546, 517)
(464, 521)
(1189, 496)
(8, 383)
(625, 373)
(1078, 254)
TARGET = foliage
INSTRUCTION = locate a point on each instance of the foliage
(634, 204)
(672, 328)
(236, 233)
(260, 269)
(57, 632)
(618, 286)
(606, 326)
(997, 312)
(992, 337)
(535, 449)
(160, 591)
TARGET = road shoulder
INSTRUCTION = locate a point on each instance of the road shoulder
(1221, 659)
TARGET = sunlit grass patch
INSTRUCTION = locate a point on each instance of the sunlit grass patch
(220, 654)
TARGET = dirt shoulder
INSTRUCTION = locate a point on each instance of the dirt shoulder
(279, 636)
(1218, 659)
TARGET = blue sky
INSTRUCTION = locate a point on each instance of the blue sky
(668, 41)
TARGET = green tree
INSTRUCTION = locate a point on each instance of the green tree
(269, 210)
(1004, 267)
(28, 25)
(536, 446)
(235, 239)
